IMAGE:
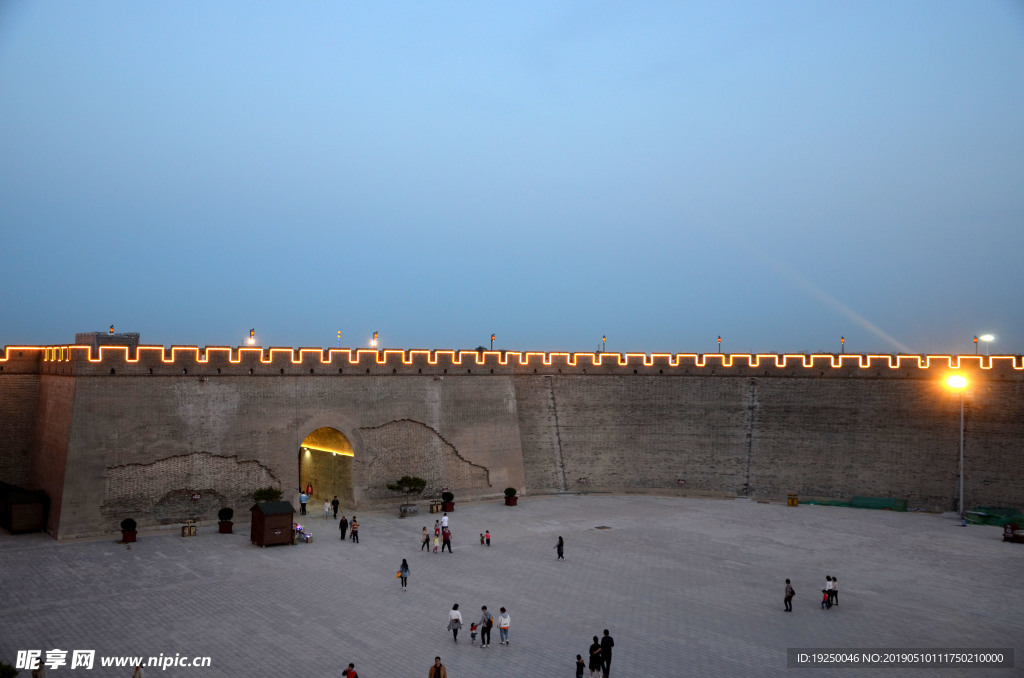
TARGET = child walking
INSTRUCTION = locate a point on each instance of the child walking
(472, 634)
(580, 666)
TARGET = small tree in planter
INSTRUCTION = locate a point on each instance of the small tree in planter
(408, 486)
(224, 516)
(128, 532)
(510, 496)
(447, 501)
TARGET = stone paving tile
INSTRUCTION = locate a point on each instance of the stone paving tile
(686, 586)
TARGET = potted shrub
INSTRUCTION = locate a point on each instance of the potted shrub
(510, 496)
(128, 532)
(447, 501)
(408, 486)
(224, 516)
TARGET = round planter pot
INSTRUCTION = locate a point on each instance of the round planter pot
(408, 510)
(511, 501)
(128, 536)
(448, 505)
(224, 526)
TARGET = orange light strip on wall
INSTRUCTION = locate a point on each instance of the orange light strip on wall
(346, 453)
(66, 353)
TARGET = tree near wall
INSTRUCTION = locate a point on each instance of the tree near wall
(408, 486)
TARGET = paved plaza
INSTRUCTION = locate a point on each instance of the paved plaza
(687, 587)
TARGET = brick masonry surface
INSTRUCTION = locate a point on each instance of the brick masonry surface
(111, 437)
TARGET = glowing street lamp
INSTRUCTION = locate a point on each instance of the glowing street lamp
(492, 342)
(842, 344)
(373, 342)
(958, 382)
(252, 336)
(719, 343)
(604, 338)
(987, 338)
(339, 338)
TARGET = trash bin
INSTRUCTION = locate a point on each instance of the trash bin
(793, 500)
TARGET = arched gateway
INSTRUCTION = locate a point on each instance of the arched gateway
(325, 463)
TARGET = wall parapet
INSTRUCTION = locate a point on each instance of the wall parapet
(234, 361)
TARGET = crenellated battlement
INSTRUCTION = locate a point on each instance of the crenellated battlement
(227, 361)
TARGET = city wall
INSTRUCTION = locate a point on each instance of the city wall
(109, 436)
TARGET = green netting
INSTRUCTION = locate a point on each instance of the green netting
(885, 503)
(985, 515)
(881, 503)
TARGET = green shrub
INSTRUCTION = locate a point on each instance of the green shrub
(447, 497)
(225, 514)
(510, 491)
(128, 525)
(267, 494)
(408, 485)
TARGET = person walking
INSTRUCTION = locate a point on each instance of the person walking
(606, 653)
(455, 622)
(835, 591)
(580, 666)
(335, 504)
(327, 509)
(446, 539)
(504, 621)
(595, 658)
(438, 670)
(303, 498)
(828, 589)
(486, 622)
(444, 520)
(789, 597)
(560, 547)
(425, 541)
(404, 572)
(343, 526)
(487, 537)
(353, 530)
(350, 672)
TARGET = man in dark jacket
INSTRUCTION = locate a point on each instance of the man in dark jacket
(335, 504)
(343, 526)
(606, 653)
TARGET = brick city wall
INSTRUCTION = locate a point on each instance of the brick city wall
(114, 436)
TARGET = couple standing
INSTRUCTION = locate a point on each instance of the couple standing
(601, 655)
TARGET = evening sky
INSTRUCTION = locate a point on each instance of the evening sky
(779, 174)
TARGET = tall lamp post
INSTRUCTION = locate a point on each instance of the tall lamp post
(988, 339)
(958, 382)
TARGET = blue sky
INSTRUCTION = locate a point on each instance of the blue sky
(780, 174)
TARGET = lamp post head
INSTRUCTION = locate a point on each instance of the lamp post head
(956, 381)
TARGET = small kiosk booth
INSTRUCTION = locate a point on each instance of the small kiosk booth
(272, 523)
(23, 510)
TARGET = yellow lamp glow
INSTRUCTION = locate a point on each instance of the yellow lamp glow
(956, 381)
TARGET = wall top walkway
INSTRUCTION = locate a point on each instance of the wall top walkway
(229, 361)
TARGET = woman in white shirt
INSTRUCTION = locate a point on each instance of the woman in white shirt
(455, 622)
(504, 621)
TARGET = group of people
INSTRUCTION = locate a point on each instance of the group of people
(483, 627)
(352, 528)
(829, 594)
(600, 662)
(442, 536)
